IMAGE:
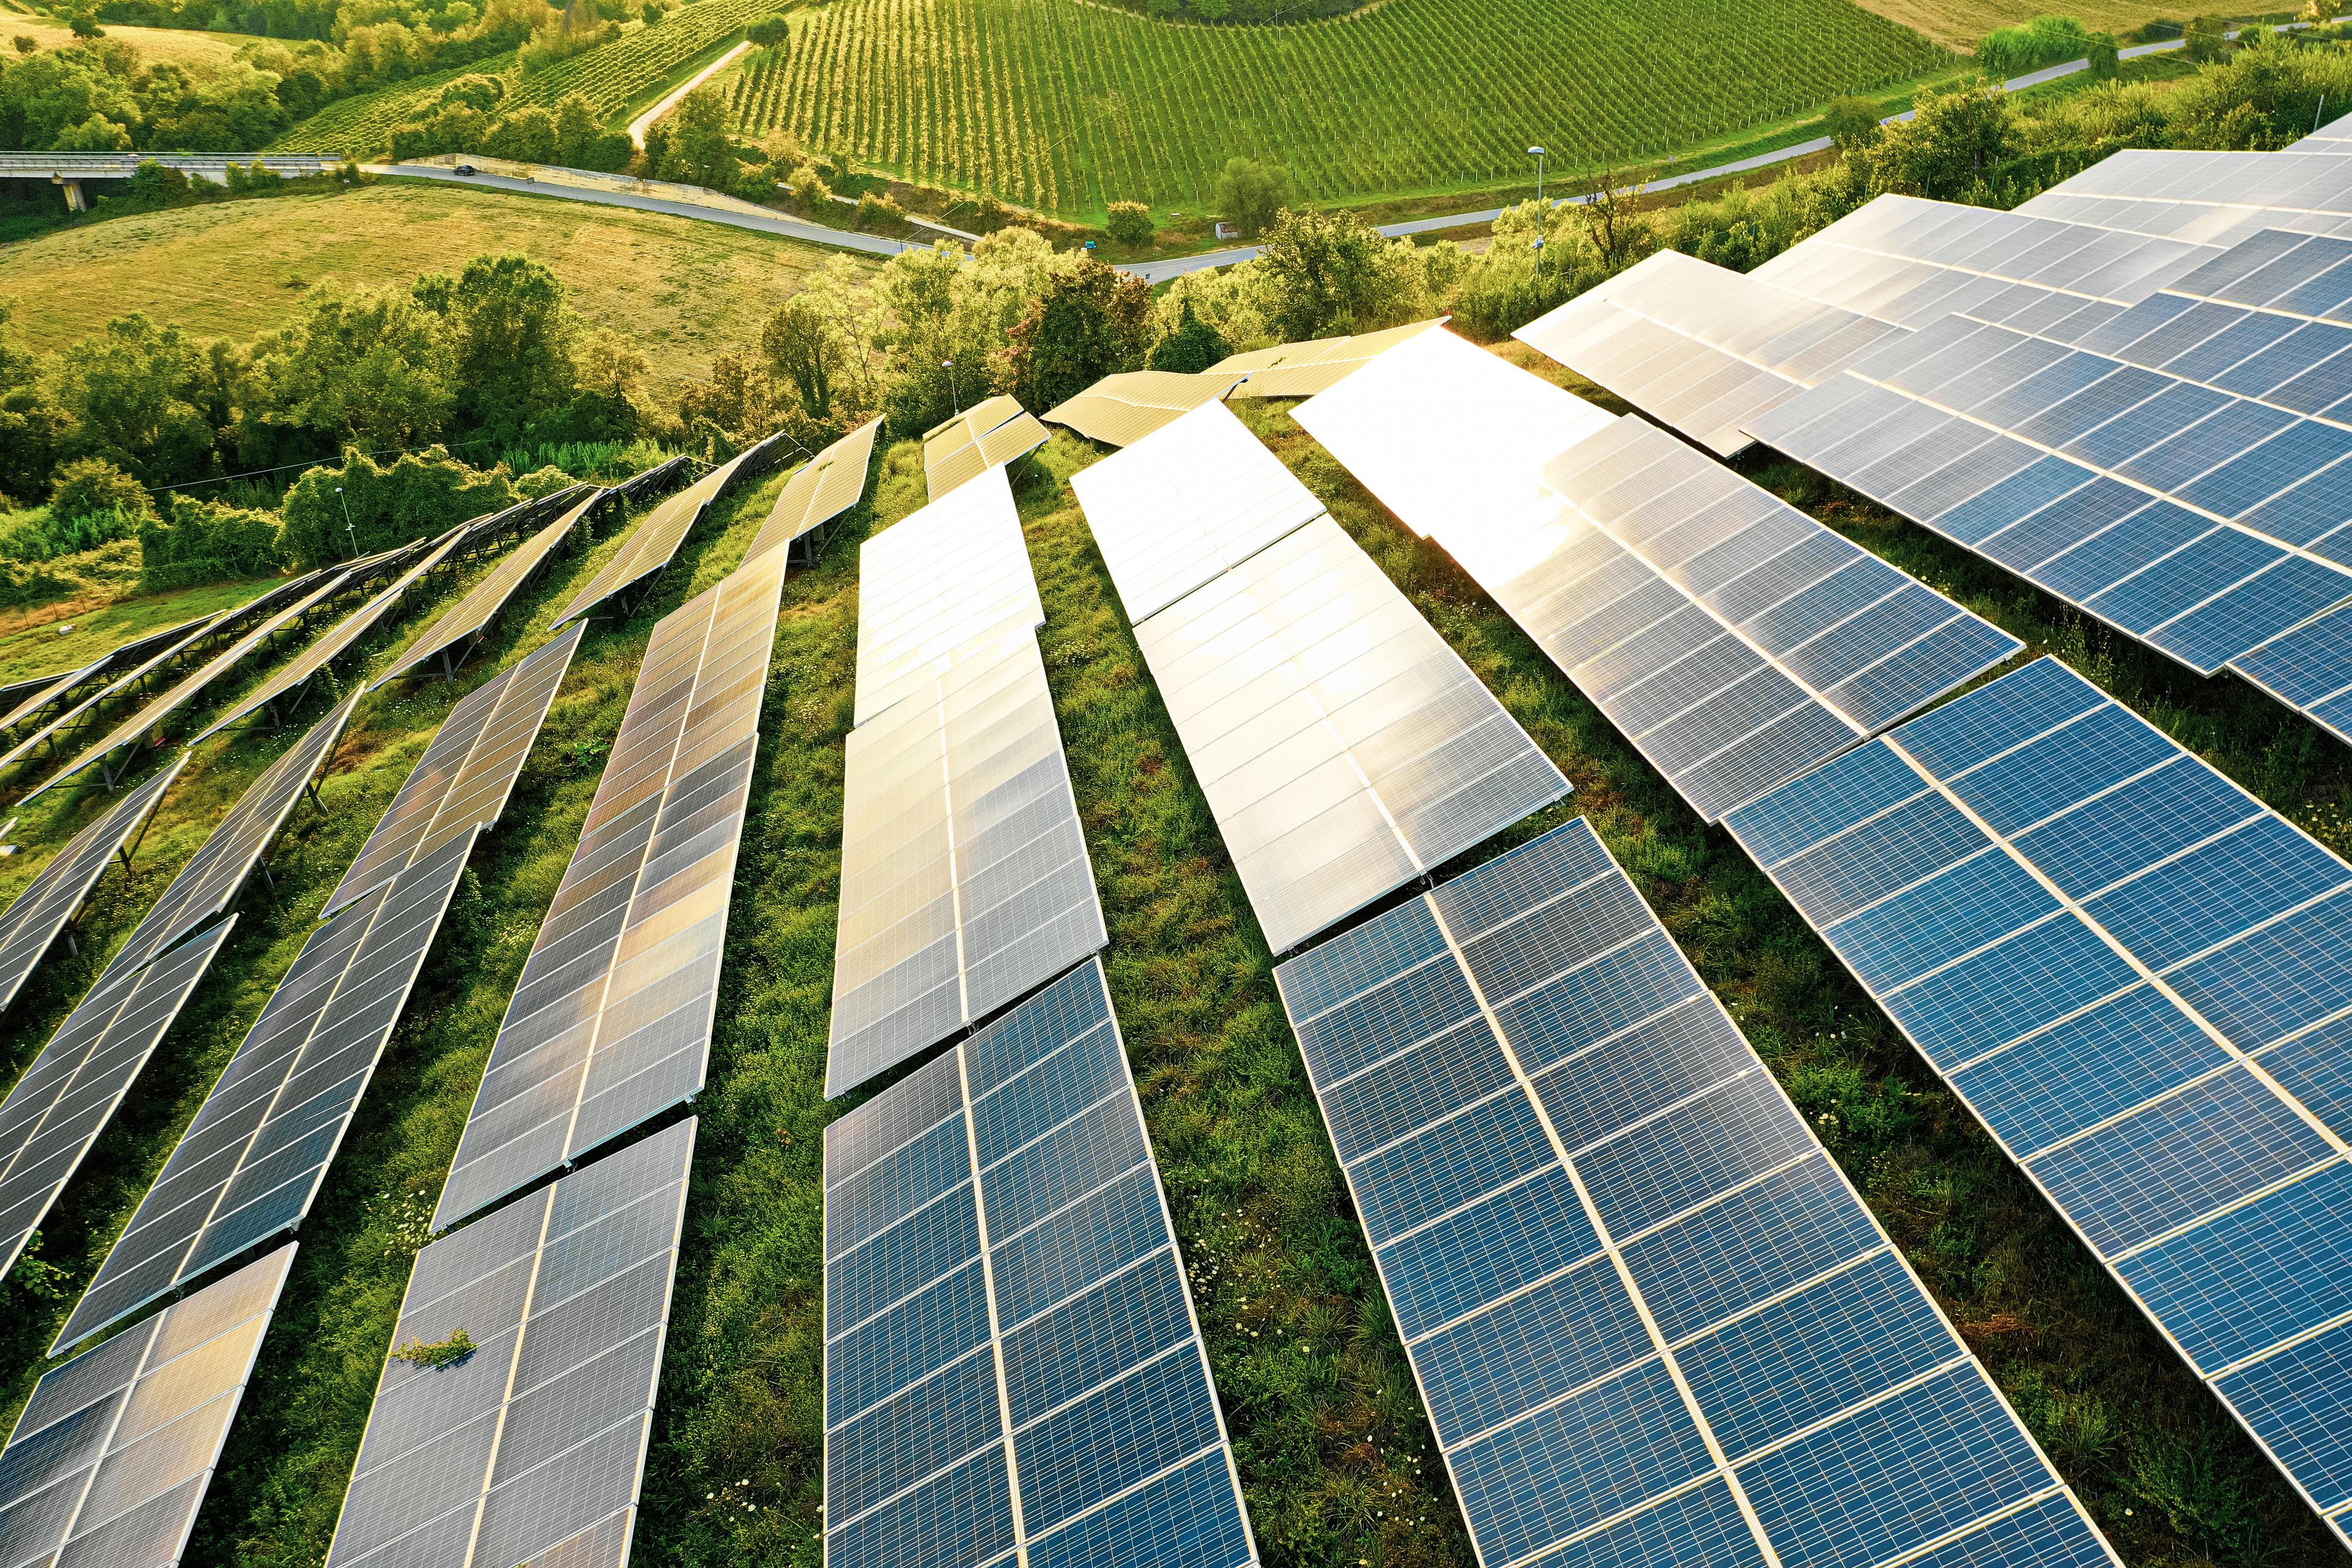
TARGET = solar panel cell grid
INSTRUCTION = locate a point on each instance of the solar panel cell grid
(464, 621)
(649, 549)
(113, 1454)
(827, 486)
(1002, 1281)
(529, 1448)
(950, 577)
(2107, 1042)
(1621, 1263)
(29, 927)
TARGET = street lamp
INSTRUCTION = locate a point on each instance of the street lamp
(948, 365)
(348, 527)
(1538, 154)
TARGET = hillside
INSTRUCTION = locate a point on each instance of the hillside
(685, 290)
(1066, 107)
(1960, 23)
(155, 45)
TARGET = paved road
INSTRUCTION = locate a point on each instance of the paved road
(789, 227)
(644, 122)
(1176, 267)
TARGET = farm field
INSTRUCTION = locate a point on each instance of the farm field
(1960, 23)
(1066, 107)
(685, 290)
(174, 46)
(619, 77)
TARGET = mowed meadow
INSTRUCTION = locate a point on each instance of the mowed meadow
(1065, 106)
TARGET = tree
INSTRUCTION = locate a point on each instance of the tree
(89, 487)
(510, 336)
(1191, 345)
(1129, 225)
(527, 135)
(134, 393)
(653, 12)
(25, 46)
(32, 422)
(363, 368)
(769, 32)
(1328, 273)
(583, 142)
(737, 397)
(1944, 149)
(1621, 234)
(2207, 39)
(85, 23)
(2106, 57)
(1090, 320)
(807, 350)
(1249, 194)
(701, 150)
(1851, 123)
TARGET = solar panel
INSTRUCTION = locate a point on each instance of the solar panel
(529, 1448)
(1013, 1372)
(460, 629)
(113, 1455)
(31, 924)
(288, 684)
(1120, 410)
(2115, 489)
(654, 544)
(2212, 198)
(1440, 428)
(461, 784)
(1650, 1319)
(827, 486)
(247, 1167)
(2336, 136)
(1194, 499)
(964, 877)
(948, 576)
(2309, 668)
(986, 435)
(1303, 369)
(611, 1021)
(150, 718)
(26, 700)
(2139, 978)
(1344, 748)
(1699, 347)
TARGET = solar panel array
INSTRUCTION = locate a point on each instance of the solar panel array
(460, 785)
(248, 1165)
(1343, 746)
(2210, 198)
(289, 683)
(1734, 640)
(1012, 1370)
(1191, 500)
(611, 1021)
(113, 1455)
(460, 627)
(988, 434)
(528, 1449)
(827, 486)
(31, 924)
(2336, 136)
(1650, 1319)
(325, 585)
(964, 878)
(23, 701)
(1303, 369)
(1120, 410)
(2140, 979)
(653, 545)
(954, 574)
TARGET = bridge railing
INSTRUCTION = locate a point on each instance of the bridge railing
(122, 165)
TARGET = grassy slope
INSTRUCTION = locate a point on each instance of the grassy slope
(175, 44)
(31, 643)
(684, 289)
(1960, 23)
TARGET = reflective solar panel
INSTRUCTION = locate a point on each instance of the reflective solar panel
(288, 683)
(148, 720)
(459, 628)
(2336, 136)
(1343, 746)
(964, 877)
(112, 1458)
(2139, 978)
(460, 785)
(1651, 1318)
(948, 576)
(248, 1165)
(1192, 499)
(653, 545)
(988, 434)
(1120, 410)
(30, 925)
(611, 1021)
(2210, 198)
(1011, 1367)
(1305, 369)
(827, 486)
(2309, 668)
(1438, 427)
(528, 1449)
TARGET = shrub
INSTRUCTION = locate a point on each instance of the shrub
(417, 496)
(88, 487)
(1249, 194)
(1129, 225)
(2044, 41)
(205, 541)
(768, 32)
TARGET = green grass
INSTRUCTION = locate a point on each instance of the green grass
(39, 647)
(1066, 107)
(618, 77)
(1334, 1452)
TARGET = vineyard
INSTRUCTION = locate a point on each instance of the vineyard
(617, 78)
(1065, 106)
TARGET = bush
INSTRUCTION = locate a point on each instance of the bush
(89, 487)
(768, 32)
(2044, 41)
(205, 541)
(876, 205)
(1248, 193)
(421, 494)
(1129, 225)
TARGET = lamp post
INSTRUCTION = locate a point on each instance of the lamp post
(348, 527)
(948, 365)
(1538, 154)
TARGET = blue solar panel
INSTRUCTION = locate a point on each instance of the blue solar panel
(1004, 1298)
(2167, 1054)
(1632, 1285)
